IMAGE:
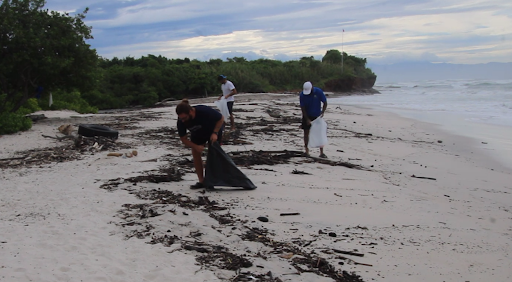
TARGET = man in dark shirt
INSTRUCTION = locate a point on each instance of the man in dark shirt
(205, 125)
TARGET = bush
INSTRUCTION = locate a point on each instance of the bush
(32, 105)
(69, 101)
(14, 122)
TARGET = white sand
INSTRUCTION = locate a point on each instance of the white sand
(58, 225)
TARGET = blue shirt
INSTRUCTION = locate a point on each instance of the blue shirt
(312, 102)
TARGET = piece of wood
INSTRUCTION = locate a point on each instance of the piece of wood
(36, 117)
(423, 177)
(12, 159)
(348, 253)
(114, 154)
(61, 138)
(289, 213)
(352, 261)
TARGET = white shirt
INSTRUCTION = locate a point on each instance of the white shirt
(226, 90)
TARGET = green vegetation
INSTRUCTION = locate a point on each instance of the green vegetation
(41, 48)
(146, 80)
(11, 122)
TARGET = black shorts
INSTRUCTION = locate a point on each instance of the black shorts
(200, 140)
(230, 107)
(305, 125)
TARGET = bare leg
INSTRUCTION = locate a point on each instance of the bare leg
(321, 151)
(232, 119)
(306, 140)
(198, 165)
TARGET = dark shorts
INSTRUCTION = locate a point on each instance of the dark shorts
(230, 107)
(305, 125)
(199, 140)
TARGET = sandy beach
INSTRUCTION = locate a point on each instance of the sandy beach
(397, 200)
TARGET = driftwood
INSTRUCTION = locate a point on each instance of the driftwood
(352, 261)
(300, 172)
(36, 117)
(76, 139)
(340, 163)
(348, 253)
(12, 159)
(61, 138)
(115, 154)
(423, 177)
(289, 213)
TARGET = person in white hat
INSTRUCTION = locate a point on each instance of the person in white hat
(313, 104)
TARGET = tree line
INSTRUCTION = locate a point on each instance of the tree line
(43, 52)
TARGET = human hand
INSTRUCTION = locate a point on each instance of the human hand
(214, 137)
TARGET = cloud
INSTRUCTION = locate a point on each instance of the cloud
(453, 30)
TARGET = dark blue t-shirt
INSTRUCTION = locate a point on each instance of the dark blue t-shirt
(203, 125)
(312, 101)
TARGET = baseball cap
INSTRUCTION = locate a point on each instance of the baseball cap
(306, 89)
(221, 76)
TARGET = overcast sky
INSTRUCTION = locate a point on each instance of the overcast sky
(451, 31)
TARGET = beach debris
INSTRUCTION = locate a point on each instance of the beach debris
(135, 153)
(36, 117)
(289, 213)
(224, 260)
(300, 172)
(114, 154)
(439, 141)
(92, 130)
(332, 234)
(423, 177)
(352, 261)
(166, 240)
(263, 219)
(250, 158)
(200, 249)
(220, 256)
(348, 253)
(273, 113)
(66, 129)
(338, 195)
(286, 255)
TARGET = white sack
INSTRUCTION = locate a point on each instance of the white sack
(222, 104)
(318, 133)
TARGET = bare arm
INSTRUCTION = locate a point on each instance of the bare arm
(215, 133)
(324, 108)
(190, 144)
(305, 115)
(232, 93)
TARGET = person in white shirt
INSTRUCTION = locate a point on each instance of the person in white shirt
(228, 92)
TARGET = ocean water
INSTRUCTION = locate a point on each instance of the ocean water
(479, 109)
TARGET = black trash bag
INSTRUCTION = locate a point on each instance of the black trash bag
(221, 170)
